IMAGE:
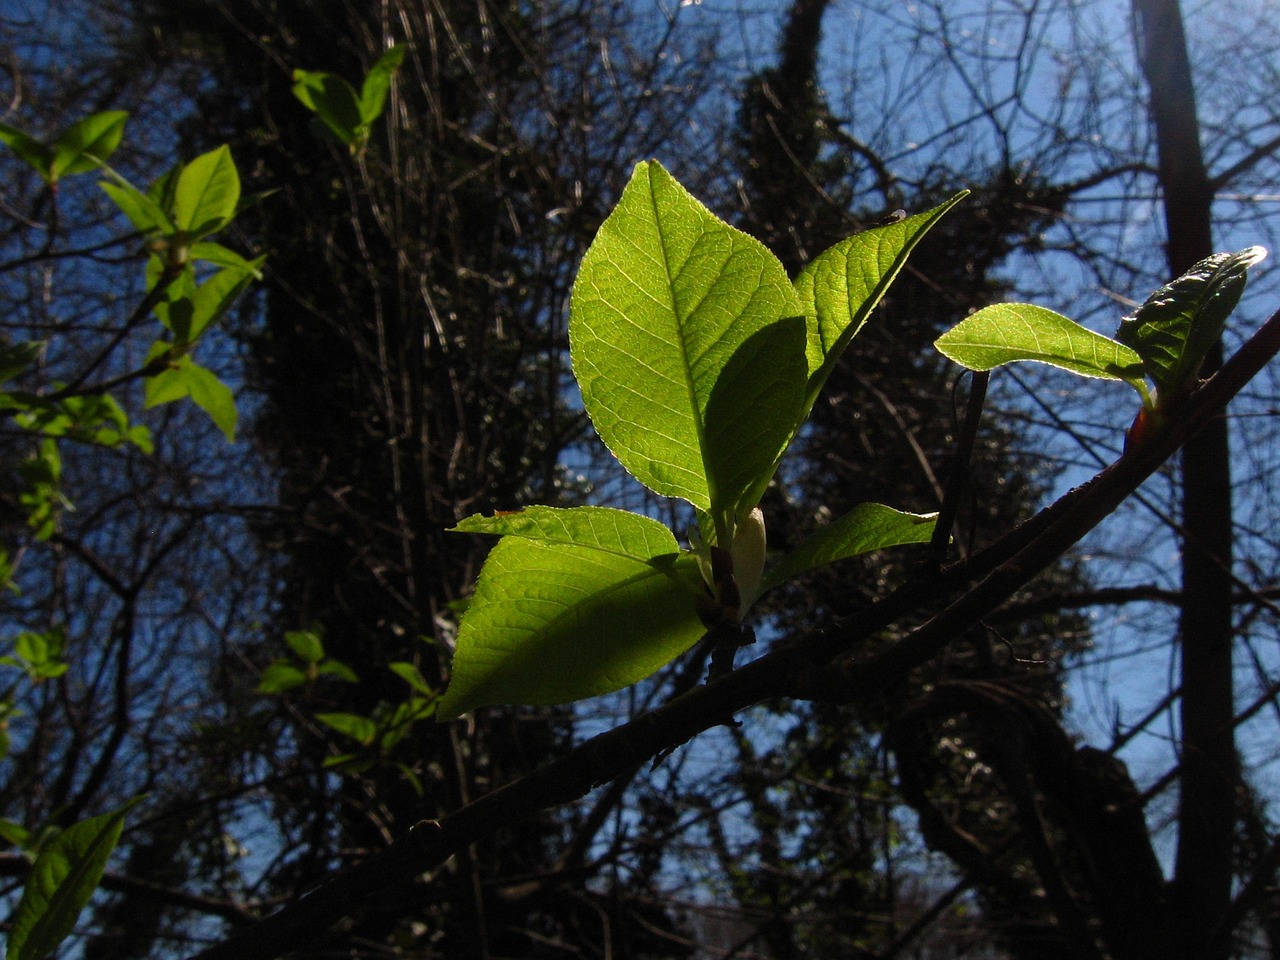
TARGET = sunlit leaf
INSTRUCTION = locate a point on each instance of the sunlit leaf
(867, 527)
(206, 193)
(216, 253)
(281, 677)
(666, 296)
(87, 144)
(183, 378)
(143, 211)
(1180, 322)
(306, 645)
(1010, 332)
(36, 154)
(411, 675)
(62, 880)
(573, 604)
(333, 100)
(373, 92)
(216, 295)
(627, 534)
(843, 284)
(213, 397)
(361, 729)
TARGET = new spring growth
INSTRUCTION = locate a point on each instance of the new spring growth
(747, 553)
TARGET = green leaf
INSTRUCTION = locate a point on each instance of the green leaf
(168, 385)
(752, 414)
(627, 534)
(333, 100)
(1180, 322)
(213, 397)
(573, 603)
(867, 527)
(373, 92)
(361, 729)
(1009, 332)
(306, 645)
(221, 256)
(338, 669)
(666, 296)
(143, 211)
(280, 677)
(62, 880)
(36, 154)
(87, 143)
(16, 357)
(186, 378)
(843, 284)
(176, 305)
(206, 194)
(215, 296)
(14, 833)
(411, 675)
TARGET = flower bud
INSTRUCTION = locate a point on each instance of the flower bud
(748, 557)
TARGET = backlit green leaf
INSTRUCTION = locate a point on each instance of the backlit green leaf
(843, 284)
(411, 675)
(216, 295)
(867, 527)
(62, 880)
(627, 534)
(217, 254)
(186, 378)
(143, 211)
(666, 296)
(213, 397)
(306, 645)
(206, 194)
(361, 729)
(333, 100)
(36, 154)
(1180, 322)
(87, 143)
(373, 92)
(572, 612)
(280, 677)
(1009, 332)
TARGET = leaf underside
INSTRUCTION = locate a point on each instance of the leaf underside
(1011, 332)
(867, 527)
(666, 297)
(571, 604)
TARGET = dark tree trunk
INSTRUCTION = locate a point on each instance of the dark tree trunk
(1202, 882)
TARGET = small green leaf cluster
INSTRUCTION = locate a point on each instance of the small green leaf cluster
(341, 112)
(1164, 341)
(307, 665)
(36, 656)
(376, 734)
(699, 361)
(191, 282)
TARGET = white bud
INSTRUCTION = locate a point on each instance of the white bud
(748, 558)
